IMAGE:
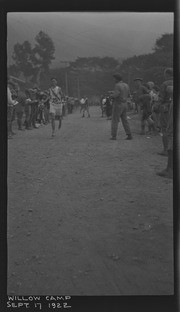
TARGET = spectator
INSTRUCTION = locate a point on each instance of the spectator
(40, 114)
(20, 107)
(140, 90)
(34, 95)
(168, 172)
(46, 106)
(108, 108)
(27, 110)
(120, 96)
(10, 107)
(165, 97)
(146, 106)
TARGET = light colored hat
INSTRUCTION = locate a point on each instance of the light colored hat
(151, 84)
(140, 79)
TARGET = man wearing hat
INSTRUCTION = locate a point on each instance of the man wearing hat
(120, 96)
(165, 98)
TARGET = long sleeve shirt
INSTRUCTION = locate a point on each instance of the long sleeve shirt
(10, 101)
(166, 93)
(139, 92)
(170, 120)
(121, 92)
(21, 98)
(145, 101)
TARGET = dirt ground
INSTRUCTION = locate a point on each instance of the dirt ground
(87, 215)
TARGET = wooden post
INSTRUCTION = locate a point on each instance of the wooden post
(78, 88)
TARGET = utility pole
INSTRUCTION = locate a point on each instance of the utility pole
(78, 88)
(66, 78)
(129, 75)
(66, 75)
(38, 76)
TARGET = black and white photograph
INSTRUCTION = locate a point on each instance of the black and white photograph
(90, 153)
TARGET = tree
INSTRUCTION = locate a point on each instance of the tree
(164, 43)
(43, 52)
(95, 63)
(22, 56)
(33, 62)
(13, 70)
(150, 66)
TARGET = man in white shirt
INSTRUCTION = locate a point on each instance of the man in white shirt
(84, 106)
(10, 107)
(103, 106)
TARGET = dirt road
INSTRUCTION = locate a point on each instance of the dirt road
(87, 215)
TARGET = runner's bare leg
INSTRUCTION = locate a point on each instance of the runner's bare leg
(53, 124)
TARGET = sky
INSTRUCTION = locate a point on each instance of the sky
(116, 34)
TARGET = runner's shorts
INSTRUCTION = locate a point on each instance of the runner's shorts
(56, 109)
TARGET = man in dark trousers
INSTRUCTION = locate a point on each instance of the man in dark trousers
(108, 108)
(21, 99)
(34, 93)
(10, 107)
(168, 172)
(140, 91)
(165, 97)
(27, 110)
(146, 106)
(120, 96)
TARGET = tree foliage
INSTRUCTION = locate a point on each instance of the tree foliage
(22, 56)
(164, 43)
(43, 52)
(94, 73)
(95, 63)
(150, 66)
(32, 61)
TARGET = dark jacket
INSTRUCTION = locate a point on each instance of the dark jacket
(139, 92)
(21, 99)
(145, 102)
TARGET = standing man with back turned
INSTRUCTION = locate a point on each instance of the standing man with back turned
(120, 96)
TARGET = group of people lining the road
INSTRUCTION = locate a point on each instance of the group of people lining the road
(142, 101)
(154, 105)
(38, 107)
